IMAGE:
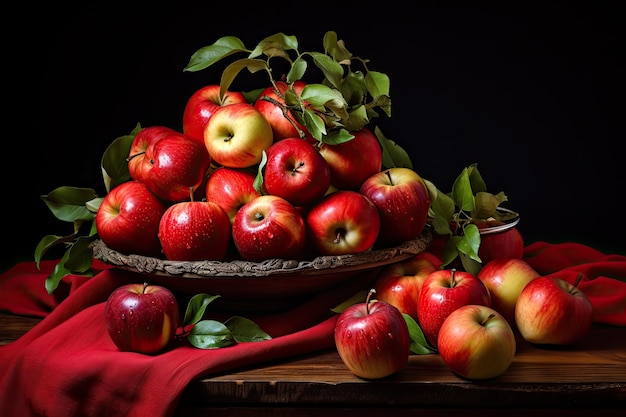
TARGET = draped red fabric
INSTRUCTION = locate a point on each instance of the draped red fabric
(67, 365)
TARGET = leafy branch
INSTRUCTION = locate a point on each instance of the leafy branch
(348, 97)
(459, 213)
(212, 334)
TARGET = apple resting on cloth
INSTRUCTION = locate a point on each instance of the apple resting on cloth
(141, 318)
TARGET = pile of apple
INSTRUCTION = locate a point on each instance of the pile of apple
(470, 320)
(240, 177)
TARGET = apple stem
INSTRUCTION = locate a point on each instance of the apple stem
(371, 292)
(489, 317)
(191, 194)
(132, 156)
(337, 238)
(145, 285)
(579, 278)
(453, 277)
(389, 176)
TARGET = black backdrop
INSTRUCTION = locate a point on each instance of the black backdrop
(533, 94)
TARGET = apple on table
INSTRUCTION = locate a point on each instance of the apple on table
(141, 317)
(505, 278)
(444, 291)
(202, 104)
(372, 339)
(128, 219)
(552, 311)
(399, 283)
(476, 342)
(402, 199)
(296, 171)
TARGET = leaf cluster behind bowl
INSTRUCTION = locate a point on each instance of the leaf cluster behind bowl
(456, 214)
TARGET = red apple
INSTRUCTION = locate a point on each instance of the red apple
(399, 283)
(372, 339)
(236, 135)
(476, 342)
(195, 231)
(444, 291)
(505, 278)
(271, 103)
(269, 227)
(343, 222)
(141, 318)
(402, 199)
(138, 164)
(551, 311)
(231, 188)
(505, 244)
(296, 171)
(201, 106)
(354, 161)
(128, 219)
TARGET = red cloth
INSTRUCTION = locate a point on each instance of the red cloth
(67, 365)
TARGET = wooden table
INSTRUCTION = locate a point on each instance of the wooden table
(586, 380)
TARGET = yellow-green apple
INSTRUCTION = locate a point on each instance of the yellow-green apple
(444, 291)
(195, 231)
(236, 135)
(231, 188)
(128, 219)
(399, 283)
(296, 171)
(202, 104)
(172, 165)
(505, 278)
(372, 339)
(402, 199)
(505, 244)
(476, 342)
(353, 161)
(271, 103)
(141, 318)
(138, 165)
(269, 227)
(343, 222)
(552, 311)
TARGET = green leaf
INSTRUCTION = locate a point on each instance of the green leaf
(470, 242)
(297, 71)
(450, 251)
(80, 255)
(245, 330)
(486, 204)
(258, 180)
(114, 162)
(443, 208)
(48, 242)
(68, 203)
(209, 55)
(377, 83)
(419, 345)
(332, 70)
(476, 180)
(210, 334)
(230, 72)
(335, 48)
(275, 45)
(357, 119)
(393, 154)
(52, 281)
(462, 192)
(314, 124)
(196, 307)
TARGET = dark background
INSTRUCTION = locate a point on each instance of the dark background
(533, 93)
